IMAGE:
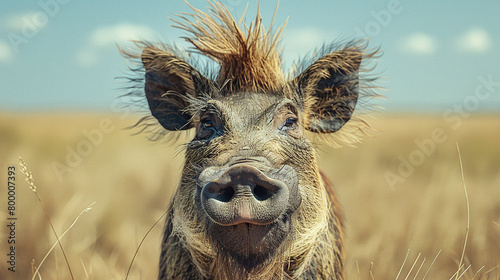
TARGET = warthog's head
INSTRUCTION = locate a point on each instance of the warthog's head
(251, 196)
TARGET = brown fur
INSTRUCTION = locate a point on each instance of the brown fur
(248, 57)
(244, 93)
(324, 257)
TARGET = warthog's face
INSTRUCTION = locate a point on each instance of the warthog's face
(246, 183)
(250, 184)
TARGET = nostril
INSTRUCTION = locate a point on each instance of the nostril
(261, 193)
(219, 192)
(226, 194)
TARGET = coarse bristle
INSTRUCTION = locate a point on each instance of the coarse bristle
(249, 56)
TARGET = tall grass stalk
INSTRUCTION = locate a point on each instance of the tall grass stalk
(31, 182)
(62, 235)
(142, 241)
(404, 262)
(413, 266)
(432, 263)
(419, 268)
(468, 214)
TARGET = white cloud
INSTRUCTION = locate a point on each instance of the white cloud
(419, 43)
(302, 41)
(110, 36)
(6, 53)
(25, 22)
(305, 39)
(85, 57)
(476, 40)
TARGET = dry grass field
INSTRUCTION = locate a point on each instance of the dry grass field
(401, 191)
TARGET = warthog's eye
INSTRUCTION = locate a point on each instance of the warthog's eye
(290, 122)
(207, 123)
(290, 125)
(286, 121)
(208, 128)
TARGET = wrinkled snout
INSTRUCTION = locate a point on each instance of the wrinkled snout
(244, 194)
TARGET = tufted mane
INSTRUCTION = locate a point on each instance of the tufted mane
(249, 56)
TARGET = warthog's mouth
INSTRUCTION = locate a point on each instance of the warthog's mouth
(249, 244)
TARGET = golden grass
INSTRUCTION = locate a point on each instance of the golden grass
(31, 182)
(416, 228)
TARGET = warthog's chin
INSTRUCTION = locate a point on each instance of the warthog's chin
(251, 245)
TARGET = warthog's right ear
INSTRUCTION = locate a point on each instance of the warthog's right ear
(169, 84)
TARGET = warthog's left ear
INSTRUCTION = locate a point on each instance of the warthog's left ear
(169, 84)
(330, 88)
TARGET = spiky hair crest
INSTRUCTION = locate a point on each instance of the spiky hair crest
(249, 56)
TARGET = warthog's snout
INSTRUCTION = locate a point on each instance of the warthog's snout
(244, 194)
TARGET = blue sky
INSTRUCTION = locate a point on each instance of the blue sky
(61, 55)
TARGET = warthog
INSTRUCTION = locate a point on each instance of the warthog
(252, 202)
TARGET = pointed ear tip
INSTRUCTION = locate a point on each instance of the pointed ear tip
(146, 55)
(146, 49)
(149, 53)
